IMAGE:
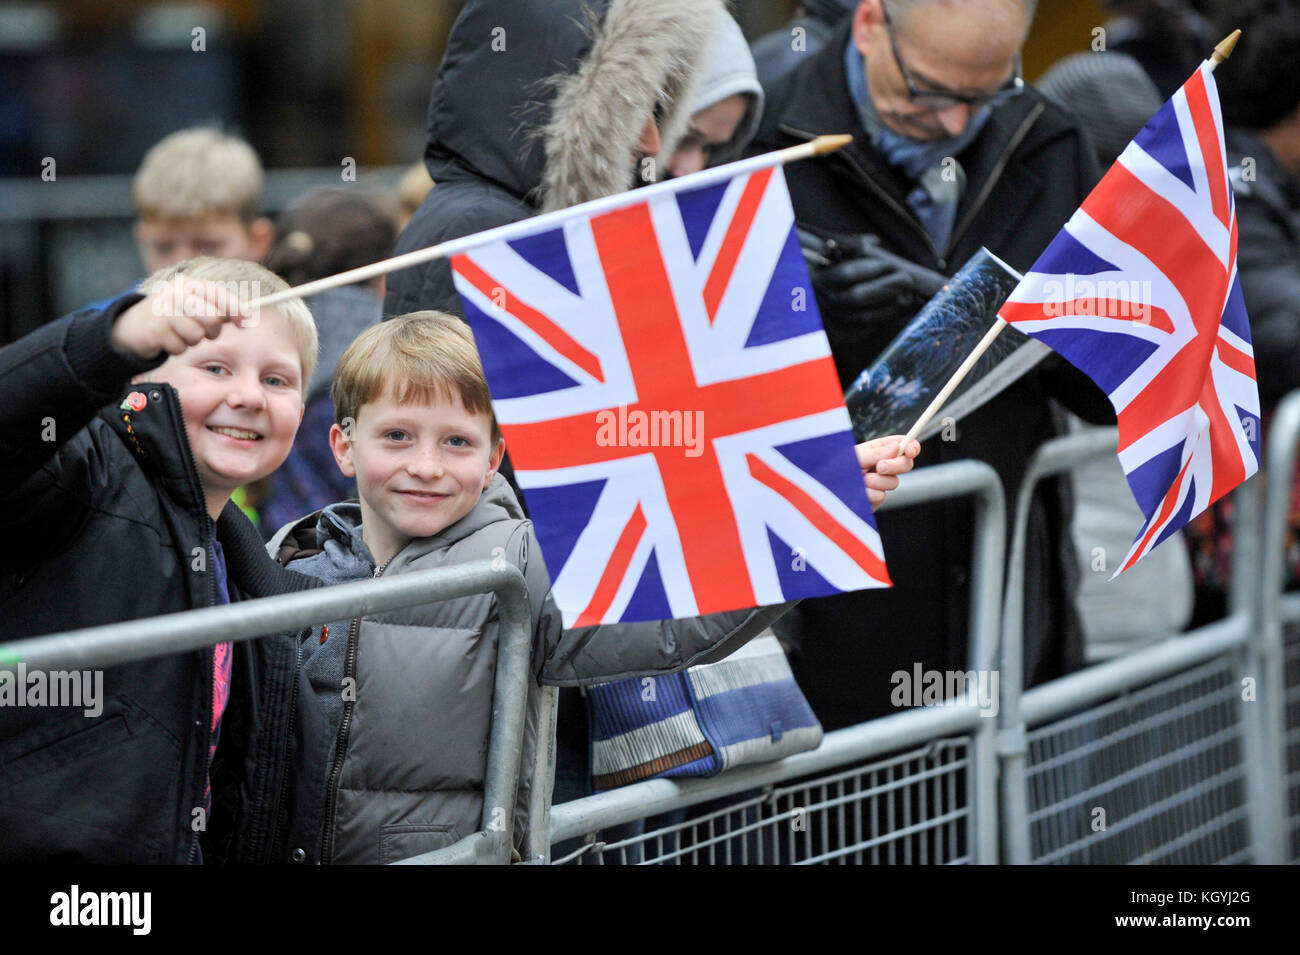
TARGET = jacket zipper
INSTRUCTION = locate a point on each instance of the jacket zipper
(209, 689)
(341, 746)
(999, 167)
(208, 534)
(276, 843)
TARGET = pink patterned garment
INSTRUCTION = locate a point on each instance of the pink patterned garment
(222, 656)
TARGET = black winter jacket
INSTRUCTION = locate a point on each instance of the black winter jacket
(103, 518)
(1026, 173)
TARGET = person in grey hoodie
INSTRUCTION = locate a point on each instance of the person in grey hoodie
(725, 111)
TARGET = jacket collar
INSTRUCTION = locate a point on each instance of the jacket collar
(148, 420)
(335, 526)
(337, 529)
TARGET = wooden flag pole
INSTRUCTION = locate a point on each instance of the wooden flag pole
(1221, 53)
(957, 378)
(814, 147)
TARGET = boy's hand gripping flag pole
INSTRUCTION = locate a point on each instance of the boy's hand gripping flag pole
(1221, 53)
(815, 147)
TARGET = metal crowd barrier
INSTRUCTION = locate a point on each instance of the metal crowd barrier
(1178, 752)
(1183, 760)
(1279, 643)
(1154, 756)
(99, 647)
(918, 786)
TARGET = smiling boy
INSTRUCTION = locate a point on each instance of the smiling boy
(241, 393)
(122, 435)
(414, 427)
(420, 456)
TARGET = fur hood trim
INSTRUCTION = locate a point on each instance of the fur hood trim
(645, 53)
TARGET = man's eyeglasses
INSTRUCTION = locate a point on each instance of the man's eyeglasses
(937, 101)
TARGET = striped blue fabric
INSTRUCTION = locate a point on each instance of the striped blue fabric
(745, 709)
(625, 704)
(766, 710)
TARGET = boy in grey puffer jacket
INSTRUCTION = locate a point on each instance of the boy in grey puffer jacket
(409, 692)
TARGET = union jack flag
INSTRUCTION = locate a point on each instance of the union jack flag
(660, 373)
(1140, 291)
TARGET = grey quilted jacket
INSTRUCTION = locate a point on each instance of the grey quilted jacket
(405, 771)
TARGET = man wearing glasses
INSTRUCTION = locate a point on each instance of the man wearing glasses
(952, 150)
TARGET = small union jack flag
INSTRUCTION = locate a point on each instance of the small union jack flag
(1140, 291)
(660, 373)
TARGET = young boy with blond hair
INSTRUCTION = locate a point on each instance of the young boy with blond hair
(198, 192)
(408, 694)
(123, 433)
(414, 427)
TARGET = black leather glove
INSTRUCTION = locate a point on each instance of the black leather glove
(855, 277)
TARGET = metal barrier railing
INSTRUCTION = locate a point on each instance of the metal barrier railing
(1290, 746)
(108, 196)
(911, 802)
(938, 800)
(1157, 739)
(1148, 757)
(98, 647)
(1279, 635)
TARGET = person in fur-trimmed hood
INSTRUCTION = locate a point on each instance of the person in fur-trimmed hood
(541, 104)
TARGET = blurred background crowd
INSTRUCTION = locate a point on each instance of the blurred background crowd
(309, 84)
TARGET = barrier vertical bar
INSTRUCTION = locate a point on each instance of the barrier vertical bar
(1053, 457)
(988, 562)
(1248, 590)
(537, 847)
(1268, 659)
(509, 706)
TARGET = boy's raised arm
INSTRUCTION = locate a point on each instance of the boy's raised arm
(53, 382)
(56, 379)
